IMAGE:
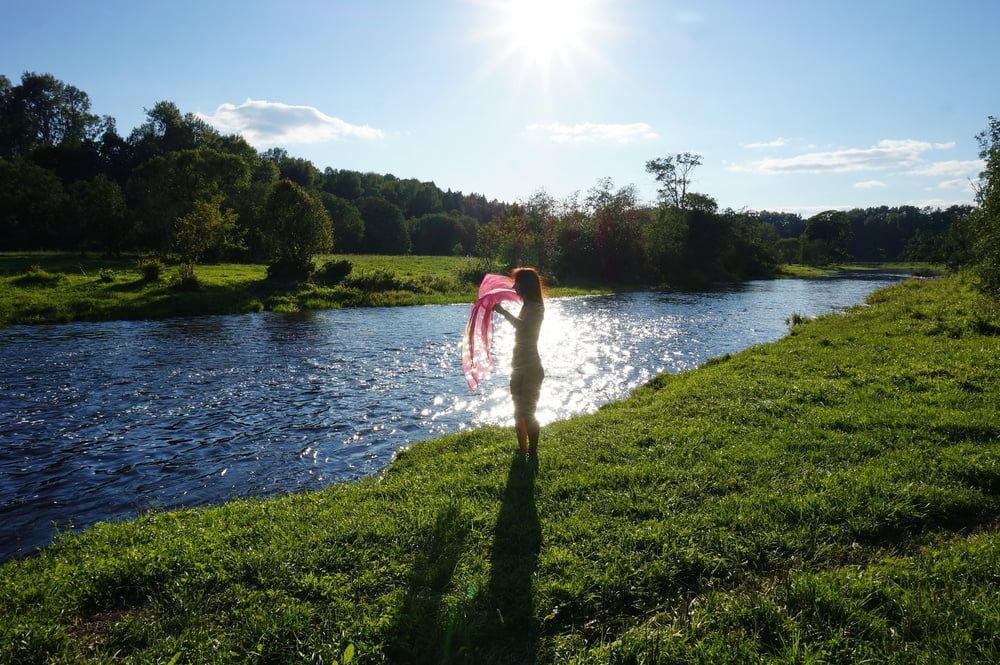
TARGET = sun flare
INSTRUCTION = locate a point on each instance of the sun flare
(544, 34)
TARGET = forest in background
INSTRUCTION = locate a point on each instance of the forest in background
(175, 186)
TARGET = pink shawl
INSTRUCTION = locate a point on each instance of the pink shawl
(477, 359)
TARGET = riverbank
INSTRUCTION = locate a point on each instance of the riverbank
(70, 287)
(802, 271)
(832, 495)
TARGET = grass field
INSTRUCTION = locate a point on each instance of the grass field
(799, 270)
(72, 287)
(830, 497)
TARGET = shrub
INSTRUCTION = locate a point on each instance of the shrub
(375, 280)
(333, 272)
(796, 319)
(151, 269)
(290, 270)
(186, 279)
(473, 270)
(37, 276)
(106, 276)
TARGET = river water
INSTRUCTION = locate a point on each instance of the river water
(101, 421)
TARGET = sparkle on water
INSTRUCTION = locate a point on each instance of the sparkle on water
(102, 420)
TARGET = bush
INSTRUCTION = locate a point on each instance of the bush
(375, 280)
(333, 272)
(37, 276)
(106, 276)
(186, 279)
(473, 270)
(151, 269)
(290, 270)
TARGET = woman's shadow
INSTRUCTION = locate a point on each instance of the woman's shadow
(511, 629)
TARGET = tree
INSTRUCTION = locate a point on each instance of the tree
(385, 230)
(297, 227)
(32, 207)
(674, 175)
(985, 221)
(42, 111)
(348, 227)
(826, 237)
(100, 204)
(205, 228)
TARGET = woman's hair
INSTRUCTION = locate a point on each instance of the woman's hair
(528, 284)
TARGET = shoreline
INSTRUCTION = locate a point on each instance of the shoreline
(80, 288)
(760, 484)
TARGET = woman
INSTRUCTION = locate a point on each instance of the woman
(526, 368)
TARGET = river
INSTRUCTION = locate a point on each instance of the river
(100, 421)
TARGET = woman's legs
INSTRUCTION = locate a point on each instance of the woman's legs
(522, 435)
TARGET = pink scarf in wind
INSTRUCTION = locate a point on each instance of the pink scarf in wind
(477, 359)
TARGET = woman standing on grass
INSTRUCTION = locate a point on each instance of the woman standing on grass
(526, 368)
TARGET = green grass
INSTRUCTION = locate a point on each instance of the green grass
(830, 497)
(70, 288)
(800, 270)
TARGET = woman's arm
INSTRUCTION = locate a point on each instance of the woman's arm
(516, 322)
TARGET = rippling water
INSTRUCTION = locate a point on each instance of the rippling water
(102, 420)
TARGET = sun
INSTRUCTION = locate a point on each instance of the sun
(544, 34)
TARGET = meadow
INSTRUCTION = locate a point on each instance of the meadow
(67, 287)
(829, 497)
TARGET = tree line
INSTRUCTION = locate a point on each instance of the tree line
(174, 184)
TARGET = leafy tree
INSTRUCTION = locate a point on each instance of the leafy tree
(985, 221)
(300, 171)
(207, 227)
(826, 237)
(166, 188)
(297, 227)
(438, 233)
(674, 175)
(341, 183)
(348, 227)
(100, 204)
(32, 207)
(385, 230)
(42, 111)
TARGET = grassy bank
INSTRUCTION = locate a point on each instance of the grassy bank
(71, 287)
(831, 497)
(800, 270)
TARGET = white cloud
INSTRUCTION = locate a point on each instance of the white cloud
(939, 203)
(869, 184)
(957, 183)
(594, 132)
(956, 168)
(884, 155)
(776, 143)
(271, 123)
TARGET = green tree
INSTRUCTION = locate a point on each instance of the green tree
(826, 237)
(385, 229)
(348, 227)
(100, 203)
(985, 221)
(207, 227)
(297, 227)
(33, 207)
(674, 175)
(42, 111)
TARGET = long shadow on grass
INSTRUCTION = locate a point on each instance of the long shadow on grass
(423, 632)
(510, 633)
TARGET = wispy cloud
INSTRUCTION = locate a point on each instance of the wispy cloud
(869, 184)
(939, 203)
(776, 143)
(955, 168)
(884, 155)
(957, 183)
(592, 132)
(271, 123)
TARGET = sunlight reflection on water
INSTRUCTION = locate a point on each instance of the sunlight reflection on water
(103, 420)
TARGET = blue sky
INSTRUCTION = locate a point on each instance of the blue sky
(794, 105)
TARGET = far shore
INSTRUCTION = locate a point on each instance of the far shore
(80, 287)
